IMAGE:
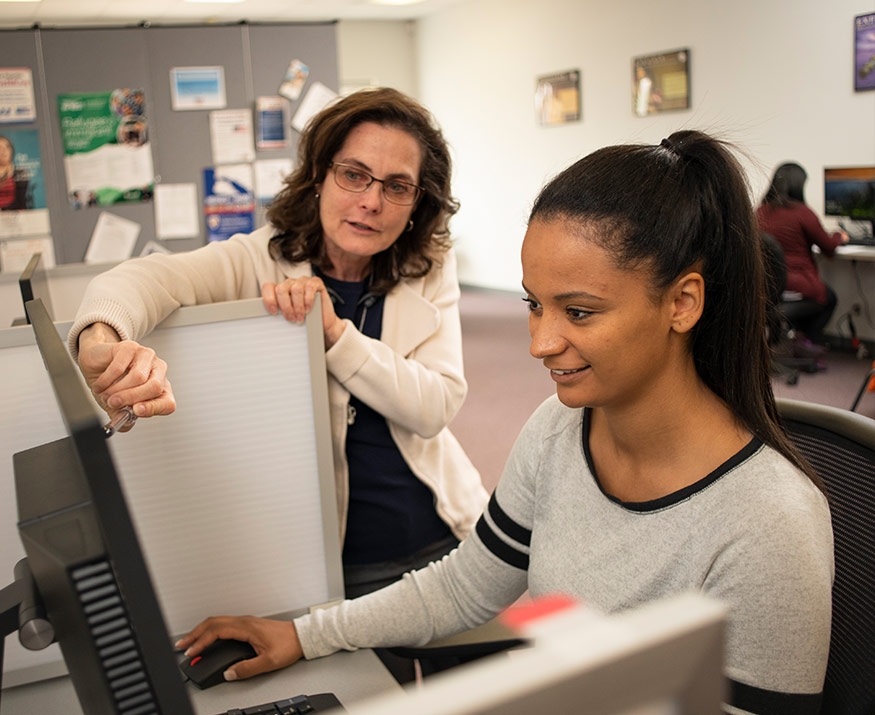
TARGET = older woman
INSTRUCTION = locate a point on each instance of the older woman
(362, 221)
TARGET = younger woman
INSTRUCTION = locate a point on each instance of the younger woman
(658, 468)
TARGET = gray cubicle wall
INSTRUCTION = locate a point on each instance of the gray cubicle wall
(254, 57)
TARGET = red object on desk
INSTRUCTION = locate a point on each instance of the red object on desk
(517, 617)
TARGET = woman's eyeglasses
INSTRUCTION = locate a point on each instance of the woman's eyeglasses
(396, 191)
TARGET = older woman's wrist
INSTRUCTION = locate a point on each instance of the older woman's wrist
(332, 334)
(98, 333)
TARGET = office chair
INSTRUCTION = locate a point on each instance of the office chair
(840, 446)
(782, 313)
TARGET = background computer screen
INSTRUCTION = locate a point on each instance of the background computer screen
(849, 192)
(33, 283)
(85, 556)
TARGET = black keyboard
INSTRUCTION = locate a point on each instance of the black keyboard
(858, 238)
(298, 705)
(861, 241)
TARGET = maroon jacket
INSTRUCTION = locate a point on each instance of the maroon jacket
(797, 229)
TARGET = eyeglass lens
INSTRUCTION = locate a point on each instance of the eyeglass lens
(357, 180)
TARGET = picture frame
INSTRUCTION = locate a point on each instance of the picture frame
(557, 98)
(661, 82)
(864, 52)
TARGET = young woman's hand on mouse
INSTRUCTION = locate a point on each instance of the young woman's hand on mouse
(275, 642)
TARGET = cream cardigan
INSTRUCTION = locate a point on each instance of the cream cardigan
(412, 376)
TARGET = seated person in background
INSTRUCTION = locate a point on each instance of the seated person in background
(784, 215)
(659, 467)
(362, 221)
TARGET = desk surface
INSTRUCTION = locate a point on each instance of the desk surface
(350, 676)
(856, 253)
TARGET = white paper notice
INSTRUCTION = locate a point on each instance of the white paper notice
(231, 136)
(269, 175)
(14, 255)
(317, 98)
(16, 95)
(176, 211)
(113, 239)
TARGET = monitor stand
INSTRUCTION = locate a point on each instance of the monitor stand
(21, 610)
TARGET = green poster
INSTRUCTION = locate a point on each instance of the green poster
(107, 157)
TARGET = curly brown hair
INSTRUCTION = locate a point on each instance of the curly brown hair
(295, 210)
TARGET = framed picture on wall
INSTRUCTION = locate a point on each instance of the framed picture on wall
(661, 82)
(557, 98)
(864, 52)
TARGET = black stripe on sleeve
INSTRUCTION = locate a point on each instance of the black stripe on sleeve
(499, 548)
(511, 555)
(758, 700)
(515, 531)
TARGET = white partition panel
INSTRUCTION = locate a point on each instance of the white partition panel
(233, 495)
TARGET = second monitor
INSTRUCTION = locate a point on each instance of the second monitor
(34, 283)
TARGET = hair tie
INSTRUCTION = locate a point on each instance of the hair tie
(666, 144)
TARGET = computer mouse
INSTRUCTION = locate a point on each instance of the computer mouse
(207, 669)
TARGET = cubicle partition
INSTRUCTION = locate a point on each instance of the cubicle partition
(233, 495)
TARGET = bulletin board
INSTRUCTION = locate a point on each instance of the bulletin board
(254, 60)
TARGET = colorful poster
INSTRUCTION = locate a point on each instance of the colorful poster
(229, 201)
(16, 95)
(107, 156)
(864, 52)
(661, 82)
(23, 209)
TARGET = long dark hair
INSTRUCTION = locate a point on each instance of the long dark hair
(295, 211)
(787, 185)
(668, 208)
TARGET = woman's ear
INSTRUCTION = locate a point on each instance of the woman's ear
(688, 301)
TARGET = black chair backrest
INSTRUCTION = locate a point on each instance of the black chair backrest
(776, 277)
(840, 446)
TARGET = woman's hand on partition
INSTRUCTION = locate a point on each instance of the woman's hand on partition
(294, 298)
(275, 643)
(123, 373)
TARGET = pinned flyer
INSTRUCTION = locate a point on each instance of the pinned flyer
(317, 98)
(112, 240)
(296, 76)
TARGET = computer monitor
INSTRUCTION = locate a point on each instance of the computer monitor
(849, 192)
(664, 658)
(85, 557)
(33, 283)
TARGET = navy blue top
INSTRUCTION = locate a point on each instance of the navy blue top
(391, 512)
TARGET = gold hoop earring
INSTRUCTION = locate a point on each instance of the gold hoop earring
(409, 225)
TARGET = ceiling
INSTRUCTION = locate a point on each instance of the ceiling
(57, 13)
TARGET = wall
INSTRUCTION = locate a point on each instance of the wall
(377, 54)
(773, 77)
